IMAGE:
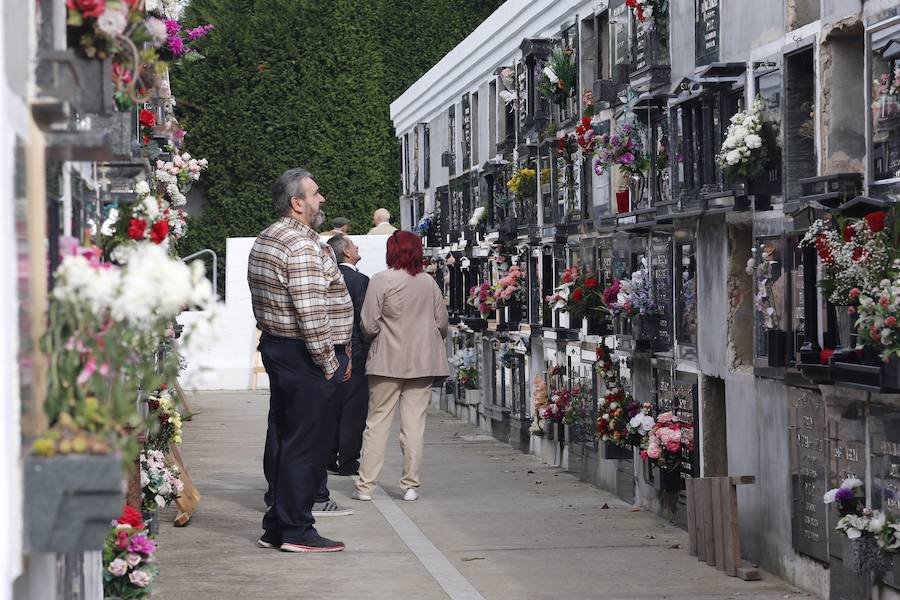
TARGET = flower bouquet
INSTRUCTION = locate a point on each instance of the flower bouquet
(567, 147)
(510, 289)
(760, 266)
(646, 11)
(855, 255)
(483, 298)
(624, 149)
(467, 377)
(666, 440)
(541, 398)
(479, 216)
(557, 80)
(578, 294)
(128, 562)
(168, 419)
(105, 327)
(877, 316)
(871, 534)
(632, 297)
(616, 408)
(745, 149)
(523, 183)
(586, 137)
(160, 482)
(567, 406)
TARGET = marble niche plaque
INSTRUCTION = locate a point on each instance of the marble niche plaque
(809, 474)
(884, 428)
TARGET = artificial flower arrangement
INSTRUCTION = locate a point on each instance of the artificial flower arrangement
(478, 218)
(510, 289)
(140, 40)
(617, 407)
(467, 377)
(878, 315)
(624, 149)
(578, 294)
(429, 223)
(567, 406)
(508, 358)
(558, 77)
(567, 147)
(541, 397)
(160, 482)
(632, 297)
(509, 94)
(647, 11)
(666, 440)
(128, 563)
(865, 525)
(167, 430)
(105, 324)
(855, 255)
(745, 149)
(759, 265)
(586, 137)
(483, 298)
(523, 183)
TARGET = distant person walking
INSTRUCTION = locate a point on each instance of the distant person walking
(338, 225)
(302, 306)
(405, 317)
(382, 221)
(353, 404)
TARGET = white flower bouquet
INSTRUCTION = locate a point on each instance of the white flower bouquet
(745, 150)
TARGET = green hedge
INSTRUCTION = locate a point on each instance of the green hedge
(305, 83)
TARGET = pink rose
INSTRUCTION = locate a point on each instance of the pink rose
(854, 293)
(140, 578)
(890, 321)
(118, 567)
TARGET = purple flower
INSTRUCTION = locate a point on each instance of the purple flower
(844, 495)
(604, 139)
(198, 32)
(176, 46)
(598, 167)
(627, 158)
(141, 543)
(172, 27)
(614, 141)
(627, 128)
(589, 135)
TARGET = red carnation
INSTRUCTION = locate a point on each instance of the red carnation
(590, 283)
(132, 517)
(160, 232)
(876, 220)
(824, 250)
(147, 118)
(858, 253)
(87, 8)
(578, 295)
(137, 228)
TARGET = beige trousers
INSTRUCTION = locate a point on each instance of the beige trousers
(385, 393)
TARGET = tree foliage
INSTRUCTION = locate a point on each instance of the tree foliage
(307, 83)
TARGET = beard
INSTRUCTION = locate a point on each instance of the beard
(318, 219)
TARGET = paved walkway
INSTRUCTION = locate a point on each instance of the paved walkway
(491, 523)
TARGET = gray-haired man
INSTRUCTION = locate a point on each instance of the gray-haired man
(305, 313)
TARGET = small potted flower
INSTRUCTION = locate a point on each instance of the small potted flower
(510, 295)
(578, 297)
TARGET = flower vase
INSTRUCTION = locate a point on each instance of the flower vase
(845, 321)
(776, 347)
(670, 480)
(623, 204)
(151, 521)
(636, 184)
(862, 555)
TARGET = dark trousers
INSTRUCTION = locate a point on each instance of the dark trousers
(352, 410)
(301, 427)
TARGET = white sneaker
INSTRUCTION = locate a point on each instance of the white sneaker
(411, 495)
(363, 497)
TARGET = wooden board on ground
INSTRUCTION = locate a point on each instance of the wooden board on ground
(187, 411)
(189, 499)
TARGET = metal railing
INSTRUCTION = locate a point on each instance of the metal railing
(215, 262)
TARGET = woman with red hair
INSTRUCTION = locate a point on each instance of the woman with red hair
(406, 320)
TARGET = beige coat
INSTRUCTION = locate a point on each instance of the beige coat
(406, 320)
(382, 229)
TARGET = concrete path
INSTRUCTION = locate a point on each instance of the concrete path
(491, 523)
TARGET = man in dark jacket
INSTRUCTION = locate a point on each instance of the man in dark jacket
(354, 398)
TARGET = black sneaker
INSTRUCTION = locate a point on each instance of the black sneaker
(314, 544)
(268, 542)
